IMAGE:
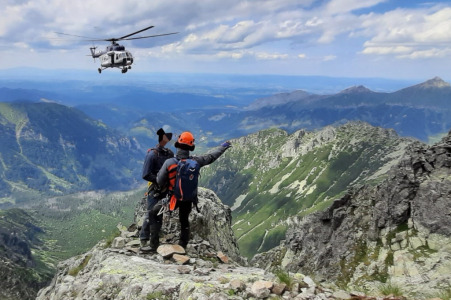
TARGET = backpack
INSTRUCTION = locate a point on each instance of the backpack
(186, 180)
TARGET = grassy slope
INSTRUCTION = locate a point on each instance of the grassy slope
(53, 149)
(276, 186)
(75, 223)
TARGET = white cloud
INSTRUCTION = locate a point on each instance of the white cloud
(21, 45)
(419, 33)
(205, 27)
(387, 50)
(302, 56)
(431, 53)
(270, 56)
(343, 6)
(329, 57)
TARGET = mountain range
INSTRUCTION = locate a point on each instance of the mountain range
(421, 111)
(52, 149)
(433, 93)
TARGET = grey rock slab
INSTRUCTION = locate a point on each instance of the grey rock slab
(203, 271)
(133, 244)
(118, 242)
(341, 295)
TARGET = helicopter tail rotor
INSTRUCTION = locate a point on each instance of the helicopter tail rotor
(93, 52)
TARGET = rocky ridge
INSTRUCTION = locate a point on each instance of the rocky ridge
(398, 231)
(23, 269)
(209, 269)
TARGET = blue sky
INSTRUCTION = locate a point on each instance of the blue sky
(345, 38)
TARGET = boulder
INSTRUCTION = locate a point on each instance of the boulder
(237, 285)
(167, 251)
(222, 257)
(180, 259)
(184, 270)
(261, 289)
(278, 288)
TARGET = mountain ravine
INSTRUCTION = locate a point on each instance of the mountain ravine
(398, 231)
(270, 176)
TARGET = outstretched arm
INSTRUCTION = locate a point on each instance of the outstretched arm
(213, 155)
(162, 176)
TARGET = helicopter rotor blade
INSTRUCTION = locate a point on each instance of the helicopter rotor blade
(86, 37)
(149, 36)
(125, 36)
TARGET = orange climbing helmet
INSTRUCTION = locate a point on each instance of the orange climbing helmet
(185, 141)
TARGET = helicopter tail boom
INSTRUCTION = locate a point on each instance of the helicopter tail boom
(93, 52)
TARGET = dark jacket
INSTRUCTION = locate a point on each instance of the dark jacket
(153, 162)
(203, 160)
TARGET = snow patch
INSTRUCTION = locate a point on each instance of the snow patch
(311, 190)
(298, 185)
(238, 202)
(275, 188)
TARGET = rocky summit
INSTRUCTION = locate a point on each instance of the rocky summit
(397, 232)
(210, 268)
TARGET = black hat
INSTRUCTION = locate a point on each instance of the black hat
(161, 133)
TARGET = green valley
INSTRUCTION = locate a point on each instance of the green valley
(34, 240)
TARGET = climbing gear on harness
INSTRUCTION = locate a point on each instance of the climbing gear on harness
(164, 206)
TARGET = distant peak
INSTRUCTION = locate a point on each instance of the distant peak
(356, 89)
(435, 82)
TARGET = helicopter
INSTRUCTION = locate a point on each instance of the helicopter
(115, 55)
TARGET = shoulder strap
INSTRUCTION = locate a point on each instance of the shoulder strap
(154, 151)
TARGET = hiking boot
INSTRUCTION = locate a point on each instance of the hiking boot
(148, 249)
(144, 243)
(183, 245)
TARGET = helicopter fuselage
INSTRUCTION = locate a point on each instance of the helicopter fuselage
(116, 59)
(114, 56)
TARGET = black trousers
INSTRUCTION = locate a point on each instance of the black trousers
(155, 221)
(145, 229)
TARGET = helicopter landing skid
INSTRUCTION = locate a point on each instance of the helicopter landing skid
(123, 69)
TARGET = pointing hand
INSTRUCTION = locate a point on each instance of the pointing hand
(226, 144)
